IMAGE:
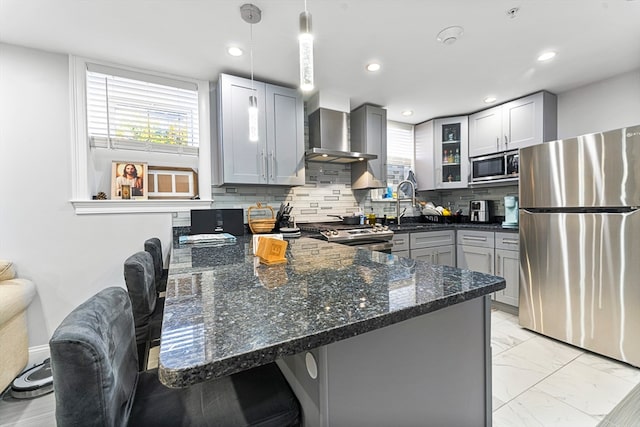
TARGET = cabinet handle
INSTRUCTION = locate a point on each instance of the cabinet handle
(437, 258)
(497, 143)
(506, 140)
(272, 171)
(498, 265)
(490, 264)
(264, 166)
(475, 239)
(510, 241)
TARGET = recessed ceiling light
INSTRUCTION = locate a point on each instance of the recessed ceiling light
(490, 99)
(234, 51)
(407, 113)
(546, 56)
(374, 66)
(449, 35)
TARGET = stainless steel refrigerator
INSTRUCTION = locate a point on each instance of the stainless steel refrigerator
(580, 241)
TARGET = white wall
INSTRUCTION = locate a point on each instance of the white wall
(69, 257)
(609, 104)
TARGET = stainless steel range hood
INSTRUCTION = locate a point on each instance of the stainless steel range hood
(329, 138)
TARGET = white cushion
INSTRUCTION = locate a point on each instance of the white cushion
(15, 297)
(6, 270)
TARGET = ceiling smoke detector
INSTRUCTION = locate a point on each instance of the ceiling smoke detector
(449, 35)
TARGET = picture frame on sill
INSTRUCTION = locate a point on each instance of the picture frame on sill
(129, 180)
(172, 183)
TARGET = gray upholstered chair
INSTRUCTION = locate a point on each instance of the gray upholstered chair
(97, 383)
(154, 247)
(139, 276)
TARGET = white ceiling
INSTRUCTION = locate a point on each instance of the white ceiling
(595, 39)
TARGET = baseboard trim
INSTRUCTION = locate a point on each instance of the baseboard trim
(37, 355)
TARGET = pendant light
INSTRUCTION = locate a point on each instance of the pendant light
(252, 15)
(305, 40)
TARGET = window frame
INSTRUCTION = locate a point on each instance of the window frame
(80, 145)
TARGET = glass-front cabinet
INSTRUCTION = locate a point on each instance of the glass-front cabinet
(450, 152)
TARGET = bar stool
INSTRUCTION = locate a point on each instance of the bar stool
(154, 247)
(139, 277)
(94, 366)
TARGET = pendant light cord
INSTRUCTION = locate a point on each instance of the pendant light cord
(251, 53)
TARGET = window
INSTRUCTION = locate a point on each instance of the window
(121, 113)
(141, 114)
(400, 151)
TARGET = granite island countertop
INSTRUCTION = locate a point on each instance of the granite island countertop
(224, 312)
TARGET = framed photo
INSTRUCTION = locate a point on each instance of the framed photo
(172, 183)
(129, 180)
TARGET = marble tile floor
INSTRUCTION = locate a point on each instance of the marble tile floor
(537, 382)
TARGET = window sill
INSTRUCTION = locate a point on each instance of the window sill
(89, 207)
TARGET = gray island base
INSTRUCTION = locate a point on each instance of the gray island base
(432, 370)
(389, 341)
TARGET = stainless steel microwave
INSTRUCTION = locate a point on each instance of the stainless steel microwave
(495, 167)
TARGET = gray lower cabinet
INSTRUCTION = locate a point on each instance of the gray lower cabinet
(475, 250)
(508, 266)
(277, 157)
(434, 247)
(400, 243)
(443, 255)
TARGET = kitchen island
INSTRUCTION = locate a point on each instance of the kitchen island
(364, 338)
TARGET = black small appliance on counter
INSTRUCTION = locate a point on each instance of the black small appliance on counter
(209, 221)
(481, 211)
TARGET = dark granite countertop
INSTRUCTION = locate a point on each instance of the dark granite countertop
(429, 226)
(225, 313)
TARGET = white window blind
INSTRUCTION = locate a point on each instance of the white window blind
(400, 144)
(137, 112)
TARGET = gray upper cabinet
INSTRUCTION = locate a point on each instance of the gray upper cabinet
(442, 161)
(277, 158)
(425, 162)
(369, 135)
(520, 123)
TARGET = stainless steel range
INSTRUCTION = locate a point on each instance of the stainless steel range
(376, 238)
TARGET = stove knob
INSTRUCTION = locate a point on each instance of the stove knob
(334, 232)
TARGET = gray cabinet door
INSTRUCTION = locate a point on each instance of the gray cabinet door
(446, 255)
(508, 266)
(522, 122)
(285, 136)
(485, 132)
(245, 162)
(369, 135)
(425, 254)
(475, 258)
(451, 171)
(425, 161)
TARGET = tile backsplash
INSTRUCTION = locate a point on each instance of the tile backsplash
(460, 198)
(327, 191)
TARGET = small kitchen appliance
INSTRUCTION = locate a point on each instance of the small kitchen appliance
(510, 211)
(480, 210)
(209, 221)
(495, 167)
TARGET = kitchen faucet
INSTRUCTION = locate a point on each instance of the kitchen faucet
(398, 200)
